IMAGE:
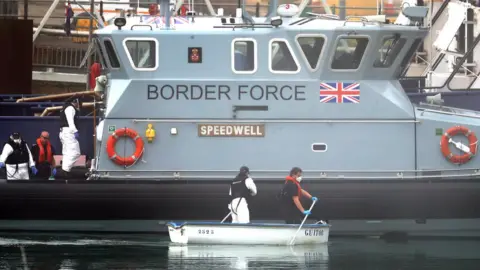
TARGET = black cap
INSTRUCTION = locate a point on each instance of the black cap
(15, 136)
(244, 169)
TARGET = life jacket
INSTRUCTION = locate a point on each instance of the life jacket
(239, 188)
(299, 188)
(44, 156)
(95, 71)
(63, 116)
(183, 11)
(19, 155)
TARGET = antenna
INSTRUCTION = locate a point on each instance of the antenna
(165, 12)
(272, 9)
(245, 15)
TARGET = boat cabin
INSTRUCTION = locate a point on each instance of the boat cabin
(308, 49)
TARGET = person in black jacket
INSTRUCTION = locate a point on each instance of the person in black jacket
(241, 188)
(17, 158)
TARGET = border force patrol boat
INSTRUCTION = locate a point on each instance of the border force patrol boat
(320, 93)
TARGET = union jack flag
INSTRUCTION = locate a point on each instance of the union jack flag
(340, 92)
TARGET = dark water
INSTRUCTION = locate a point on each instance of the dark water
(45, 252)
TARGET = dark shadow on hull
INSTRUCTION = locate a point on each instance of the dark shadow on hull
(207, 200)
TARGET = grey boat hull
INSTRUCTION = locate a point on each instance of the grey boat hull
(359, 207)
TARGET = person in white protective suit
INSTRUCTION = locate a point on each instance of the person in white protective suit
(17, 158)
(241, 188)
(69, 135)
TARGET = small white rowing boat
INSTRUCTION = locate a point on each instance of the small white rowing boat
(247, 234)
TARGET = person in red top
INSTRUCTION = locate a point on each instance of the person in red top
(292, 192)
(182, 11)
(95, 71)
(43, 153)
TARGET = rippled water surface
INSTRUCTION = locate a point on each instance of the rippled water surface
(74, 251)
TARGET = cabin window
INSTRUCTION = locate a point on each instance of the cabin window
(311, 47)
(349, 52)
(99, 53)
(409, 55)
(389, 51)
(282, 59)
(142, 53)
(111, 54)
(244, 56)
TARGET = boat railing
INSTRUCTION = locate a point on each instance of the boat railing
(37, 9)
(324, 16)
(315, 175)
(448, 110)
(361, 19)
(462, 61)
(14, 97)
(60, 96)
(61, 57)
(50, 110)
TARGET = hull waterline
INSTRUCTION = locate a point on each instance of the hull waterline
(138, 206)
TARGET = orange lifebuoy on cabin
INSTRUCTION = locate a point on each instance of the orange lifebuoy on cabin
(127, 160)
(469, 151)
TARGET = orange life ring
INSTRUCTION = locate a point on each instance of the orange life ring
(112, 140)
(472, 148)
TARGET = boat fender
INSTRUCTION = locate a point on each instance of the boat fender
(128, 160)
(468, 151)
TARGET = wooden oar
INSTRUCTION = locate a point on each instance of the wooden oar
(304, 219)
(225, 218)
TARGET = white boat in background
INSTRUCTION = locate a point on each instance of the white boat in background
(247, 234)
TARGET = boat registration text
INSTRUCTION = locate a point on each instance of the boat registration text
(313, 232)
(205, 231)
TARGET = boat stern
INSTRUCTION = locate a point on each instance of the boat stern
(177, 233)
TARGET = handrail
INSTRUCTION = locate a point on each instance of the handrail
(49, 110)
(441, 56)
(229, 120)
(458, 65)
(108, 175)
(448, 113)
(58, 96)
(439, 12)
(141, 25)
